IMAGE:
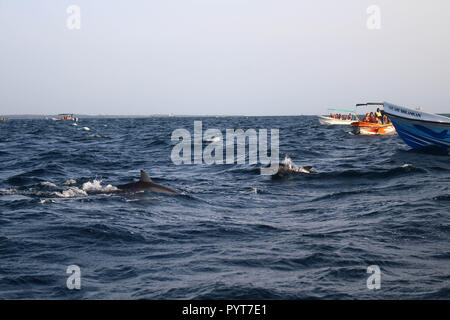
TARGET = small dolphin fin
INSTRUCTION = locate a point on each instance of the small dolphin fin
(145, 177)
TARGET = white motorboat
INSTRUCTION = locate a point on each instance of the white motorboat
(328, 120)
(332, 121)
(417, 128)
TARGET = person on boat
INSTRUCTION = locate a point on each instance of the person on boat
(350, 116)
(374, 118)
(366, 118)
(379, 114)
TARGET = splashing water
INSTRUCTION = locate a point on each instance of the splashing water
(96, 186)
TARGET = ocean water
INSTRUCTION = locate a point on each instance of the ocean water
(231, 233)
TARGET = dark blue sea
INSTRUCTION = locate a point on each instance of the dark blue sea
(231, 233)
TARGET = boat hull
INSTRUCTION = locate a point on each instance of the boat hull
(417, 134)
(368, 128)
(418, 129)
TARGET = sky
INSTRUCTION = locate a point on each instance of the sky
(225, 57)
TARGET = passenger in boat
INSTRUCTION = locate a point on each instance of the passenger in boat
(379, 115)
(350, 117)
(366, 118)
(375, 118)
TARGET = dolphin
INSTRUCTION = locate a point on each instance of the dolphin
(145, 183)
(287, 169)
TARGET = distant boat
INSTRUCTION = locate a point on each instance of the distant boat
(3, 119)
(332, 121)
(66, 116)
(372, 128)
(419, 129)
(328, 120)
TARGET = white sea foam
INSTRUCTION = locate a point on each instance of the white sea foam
(87, 187)
(7, 192)
(47, 201)
(96, 135)
(291, 166)
(48, 184)
(69, 182)
(96, 186)
(86, 129)
(71, 192)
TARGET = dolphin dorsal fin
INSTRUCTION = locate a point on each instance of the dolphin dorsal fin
(145, 177)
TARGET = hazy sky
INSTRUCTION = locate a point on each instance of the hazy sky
(253, 57)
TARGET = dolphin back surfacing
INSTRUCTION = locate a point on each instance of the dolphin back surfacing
(287, 168)
(144, 184)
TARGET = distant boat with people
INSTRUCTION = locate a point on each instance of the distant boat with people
(337, 118)
(373, 123)
(65, 116)
(3, 119)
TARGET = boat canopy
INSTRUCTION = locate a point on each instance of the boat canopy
(342, 110)
(370, 104)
